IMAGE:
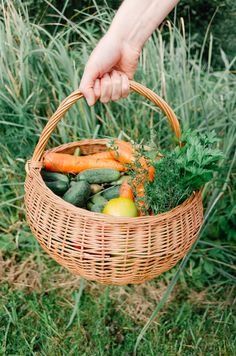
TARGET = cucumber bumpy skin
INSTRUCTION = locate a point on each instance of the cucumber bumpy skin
(78, 194)
(99, 175)
(53, 177)
(98, 199)
(58, 187)
(96, 208)
(111, 193)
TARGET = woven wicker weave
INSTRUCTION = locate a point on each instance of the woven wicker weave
(103, 248)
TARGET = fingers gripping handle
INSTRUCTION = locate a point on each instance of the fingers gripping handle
(76, 95)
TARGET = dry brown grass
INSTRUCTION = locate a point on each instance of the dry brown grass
(32, 274)
(38, 273)
(138, 301)
(23, 275)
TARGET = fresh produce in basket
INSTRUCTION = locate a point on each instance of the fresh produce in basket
(126, 190)
(121, 207)
(96, 208)
(98, 199)
(105, 175)
(112, 192)
(65, 163)
(78, 193)
(58, 187)
(126, 180)
(54, 177)
(182, 171)
(122, 151)
(58, 183)
(120, 180)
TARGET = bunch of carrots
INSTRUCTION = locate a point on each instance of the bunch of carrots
(120, 156)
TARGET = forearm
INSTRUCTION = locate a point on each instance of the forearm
(137, 19)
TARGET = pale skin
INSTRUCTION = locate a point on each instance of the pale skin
(114, 60)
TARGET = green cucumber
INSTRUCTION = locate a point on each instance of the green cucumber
(78, 194)
(58, 187)
(96, 208)
(89, 205)
(120, 180)
(111, 193)
(52, 176)
(98, 199)
(99, 175)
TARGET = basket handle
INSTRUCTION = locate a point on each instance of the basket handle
(76, 95)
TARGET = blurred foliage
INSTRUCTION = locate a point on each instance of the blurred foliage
(197, 15)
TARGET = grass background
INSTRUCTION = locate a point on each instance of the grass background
(46, 311)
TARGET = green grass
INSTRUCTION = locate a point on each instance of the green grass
(37, 71)
(107, 321)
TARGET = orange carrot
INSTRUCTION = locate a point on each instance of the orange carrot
(65, 163)
(126, 144)
(123, 152)
(143, 163)
(126, 190)
(151, 173)
(140, 194)
(139, 182)
(144, 174)
(102, 155)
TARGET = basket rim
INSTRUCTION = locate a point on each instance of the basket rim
(95, 141)
(35, 174)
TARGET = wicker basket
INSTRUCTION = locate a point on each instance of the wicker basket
(107, 249)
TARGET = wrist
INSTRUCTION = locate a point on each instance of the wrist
(125, 44)
(127, 37)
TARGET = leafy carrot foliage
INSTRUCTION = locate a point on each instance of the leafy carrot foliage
(181, 172)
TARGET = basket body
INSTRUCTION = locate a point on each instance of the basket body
(106, 249)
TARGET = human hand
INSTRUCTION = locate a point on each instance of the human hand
(115, 58)
(110, 66)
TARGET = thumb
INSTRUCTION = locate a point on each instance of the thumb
(87, 85)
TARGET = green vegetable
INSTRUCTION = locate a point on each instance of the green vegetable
(111, 193)
(181, 172)
(96, 208)
(58, 187)
(99, 175)
(78, 193)
(57, 182)
(98, 199)
(89, 205)
(52, 176)
(198, 158)
(120, 180)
